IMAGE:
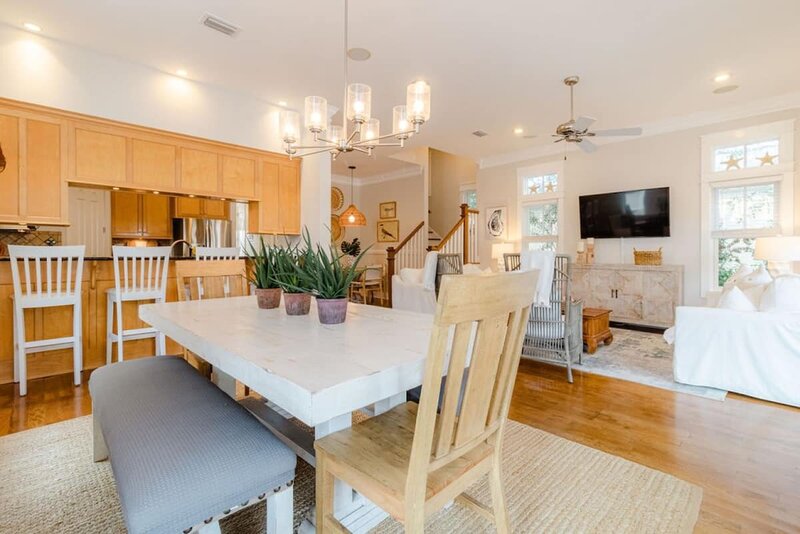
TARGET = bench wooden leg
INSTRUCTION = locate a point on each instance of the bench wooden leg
(100, 449)
(280, 512)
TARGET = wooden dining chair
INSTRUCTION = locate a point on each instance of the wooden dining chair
(412, 460)
(209, 279)
(368, 282)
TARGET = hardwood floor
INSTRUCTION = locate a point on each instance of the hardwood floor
(744, 453)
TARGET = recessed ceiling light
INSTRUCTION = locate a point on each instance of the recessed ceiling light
(725, 89)
(115, 188)
(359, 54)
(722, 77)
(156, 192)
(182, 73)
(283, 103)
(518, 131)
(31, 27)
(191, 196)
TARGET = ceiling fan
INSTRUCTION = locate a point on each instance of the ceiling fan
(577, 130)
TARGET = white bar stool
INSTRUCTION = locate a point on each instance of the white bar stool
(51, 277)
(143, 277)
(216, 253)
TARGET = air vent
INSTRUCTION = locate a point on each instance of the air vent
(479, 133)
(217, 24)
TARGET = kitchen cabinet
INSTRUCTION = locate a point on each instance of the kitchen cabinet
(98, 276)
(278, 209)
(238, 177)
(140, 216)
(100, 156)
(33, 187)
(153, 164)
(199, 171)
(201, 208)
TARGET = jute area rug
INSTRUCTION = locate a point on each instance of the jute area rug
(48, 483)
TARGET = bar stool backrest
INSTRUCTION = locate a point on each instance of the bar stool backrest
(217, 253)
(140, 273)
(49, 276)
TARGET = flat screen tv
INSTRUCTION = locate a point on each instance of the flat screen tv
(640, 213)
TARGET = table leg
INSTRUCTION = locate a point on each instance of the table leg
(225, 382)
(355, 512)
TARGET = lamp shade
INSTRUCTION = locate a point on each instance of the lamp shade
(290, 126)
(418, 102)
(359, 102)
(352, 217)
(400, 124)
(778, 248)
(316, 113)
(372, 131)
(498, 249)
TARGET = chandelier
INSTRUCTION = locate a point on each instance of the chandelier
(365, 132)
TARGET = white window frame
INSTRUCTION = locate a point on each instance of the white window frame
(525, 200)
(782, 174)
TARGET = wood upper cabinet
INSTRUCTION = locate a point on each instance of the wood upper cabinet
(140, 215)
(200, 208)
(33, 188)
(278, 208)
(153, 164)
(238, 177)
(100, 156)
(199, 171)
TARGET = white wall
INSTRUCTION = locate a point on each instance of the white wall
(448, 173)
(55, 74)
(671, 159)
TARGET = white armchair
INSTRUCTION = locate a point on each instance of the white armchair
(415, 289)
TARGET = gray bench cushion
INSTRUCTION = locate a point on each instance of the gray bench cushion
(181, 449)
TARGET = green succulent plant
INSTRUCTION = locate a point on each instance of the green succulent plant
(263, 265)
(290, 260)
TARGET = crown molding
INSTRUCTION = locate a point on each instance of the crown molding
(675, 124)
(376, 178)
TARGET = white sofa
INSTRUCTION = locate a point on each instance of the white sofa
(750, 352)
(414, 289)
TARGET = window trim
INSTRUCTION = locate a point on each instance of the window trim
(523, 200)
(782, 174)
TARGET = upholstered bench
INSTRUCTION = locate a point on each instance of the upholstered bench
(183, 453)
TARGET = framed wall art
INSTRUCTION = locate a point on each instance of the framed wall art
(496, 222)
(388, 210)
(388, 231)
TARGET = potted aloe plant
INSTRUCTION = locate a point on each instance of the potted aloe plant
(329, 279)
(289, 261)
(263, 265)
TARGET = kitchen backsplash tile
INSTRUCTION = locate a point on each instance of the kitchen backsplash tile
(29, 238)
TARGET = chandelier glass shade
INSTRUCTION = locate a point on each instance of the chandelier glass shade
(363, 134)
(351, 216)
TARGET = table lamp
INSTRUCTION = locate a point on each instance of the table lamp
(779, 252)
(498, 249)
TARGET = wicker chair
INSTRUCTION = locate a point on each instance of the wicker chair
(447, 264)
(554, 333)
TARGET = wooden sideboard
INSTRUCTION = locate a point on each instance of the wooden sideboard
(636, 294)
(46, 149)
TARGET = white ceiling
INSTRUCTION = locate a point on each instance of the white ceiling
(492, 65)
(378, 166)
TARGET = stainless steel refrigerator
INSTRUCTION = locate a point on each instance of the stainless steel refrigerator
(210, 232)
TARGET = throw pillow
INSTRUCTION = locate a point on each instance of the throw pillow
(759, 277)
(744, 270)
(429, 271)
(782, 295)
(735, 299)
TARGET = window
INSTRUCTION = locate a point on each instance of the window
(747, 193)
(541, 206)
(470, 198)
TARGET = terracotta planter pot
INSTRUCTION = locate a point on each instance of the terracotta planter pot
(268, 298)
(297, 303)
(332, 311)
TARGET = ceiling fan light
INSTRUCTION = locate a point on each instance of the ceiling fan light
(418, 102)
(359, 102)
(289, 126)
(316, 113)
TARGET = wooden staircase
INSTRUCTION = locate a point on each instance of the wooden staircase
(462, 238)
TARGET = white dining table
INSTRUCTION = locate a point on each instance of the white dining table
(309, 372)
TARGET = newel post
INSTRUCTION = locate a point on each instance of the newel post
(390, 253)
(465, 232)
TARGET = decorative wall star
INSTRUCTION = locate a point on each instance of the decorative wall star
(766, 159)
(732, 163)
(550, 188)
(533, 189)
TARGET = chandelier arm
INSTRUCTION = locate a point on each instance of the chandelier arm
(313, 147)
(359, 149)
(356, 130)
(328, 141)
(379, 145)
(313, 152)
(387, 136)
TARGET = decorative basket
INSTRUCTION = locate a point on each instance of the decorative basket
(647, 257)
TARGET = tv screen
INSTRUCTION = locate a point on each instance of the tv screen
(640, 213)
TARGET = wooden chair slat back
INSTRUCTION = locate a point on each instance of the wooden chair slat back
(480, 323)
(141, 270)
(42, 272)
(210, 279)
(216, 253)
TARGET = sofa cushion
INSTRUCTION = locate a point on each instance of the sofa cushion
(429, 271)
(411, 276)
(782, 295)
(759, 277)
(743, 271)
(735, 299)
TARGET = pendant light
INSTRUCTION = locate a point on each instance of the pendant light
(351, 216)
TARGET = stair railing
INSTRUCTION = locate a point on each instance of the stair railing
(410, 253)
(462, 238)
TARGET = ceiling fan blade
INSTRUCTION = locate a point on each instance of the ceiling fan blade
(618, 131)
(587, 146)
(583, 123)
